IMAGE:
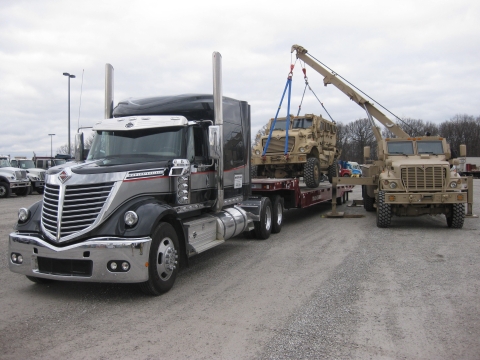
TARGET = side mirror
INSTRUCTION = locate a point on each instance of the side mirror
(79, 147)
(366, 152)
(215, 149)
(463, 150)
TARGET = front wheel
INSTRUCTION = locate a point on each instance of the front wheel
(367, 200)
(311, 173)
(384, 211)
(5, 190)
(263, 227)
(40, 190)
(277, 220)
(456, 217)
(22, 191)
(162, 261)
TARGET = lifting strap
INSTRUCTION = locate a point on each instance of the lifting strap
(288, 86)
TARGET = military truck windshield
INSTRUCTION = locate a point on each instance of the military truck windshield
(400, 147)
(26, 164)
(302, 123)
(280, 125)
(4, 163)
(430, 147)
(146, 145)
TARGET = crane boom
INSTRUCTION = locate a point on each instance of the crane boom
(331, 78)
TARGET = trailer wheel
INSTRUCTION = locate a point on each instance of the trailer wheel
(263, 227)
(277, 220)
(456, 217)
(311, 173)
(162, 261)
(38, 280)
(332, 172)
(5, 190)
(384, 211)
(367, 200)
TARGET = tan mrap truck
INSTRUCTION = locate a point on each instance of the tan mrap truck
(311, 151)
(413, 175)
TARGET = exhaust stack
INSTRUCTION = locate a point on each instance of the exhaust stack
(108, 91)
(218, 120)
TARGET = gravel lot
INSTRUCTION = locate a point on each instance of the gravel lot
(322, 288)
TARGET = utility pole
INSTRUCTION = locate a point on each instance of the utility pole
(69, 77)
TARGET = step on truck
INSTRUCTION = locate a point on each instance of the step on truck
(166, 178)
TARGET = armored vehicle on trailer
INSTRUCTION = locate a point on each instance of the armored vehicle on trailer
(311, 151)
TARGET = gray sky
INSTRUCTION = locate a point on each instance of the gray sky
(420, 59)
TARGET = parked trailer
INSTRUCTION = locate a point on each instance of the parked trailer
(469, 166)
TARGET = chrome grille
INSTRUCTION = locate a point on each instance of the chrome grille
(419, 178)
(20, 174)
(81, 206)
(278, 145)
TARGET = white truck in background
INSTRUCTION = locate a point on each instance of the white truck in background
(12, 179)
(35, 175)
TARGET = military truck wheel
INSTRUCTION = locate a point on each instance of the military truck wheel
(254, 171)
(367, 200)
(277, 220)
(162, 261)
(311, 173)
(332, 172)
(5, 190)
(384, 211)
(38, 280)
(456, 217)
(263, 227)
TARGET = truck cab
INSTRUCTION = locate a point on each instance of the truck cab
(35, 175)
(12, 179)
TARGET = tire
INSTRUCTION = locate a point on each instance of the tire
(346, 175)
(40, 190)
(311, 173)
(162, 261)
(263, 227)
(23, 191)
(253, 171)
(384, 211)
(277, 210)
(456, 217)
(367, 200)
(339, 200)
(332, 171)
(38, 280)
(5, 190)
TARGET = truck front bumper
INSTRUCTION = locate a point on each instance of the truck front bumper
(88, 261)
(19, 184)
(426, 198)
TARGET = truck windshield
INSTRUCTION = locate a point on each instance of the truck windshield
(430, 147)
(280, 125)
(302, 123)
(400, 147)
(4, 163)
(145, 145)
(59, 161)
(26, 164)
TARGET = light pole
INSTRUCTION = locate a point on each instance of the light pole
(51, 146)
(69, 77)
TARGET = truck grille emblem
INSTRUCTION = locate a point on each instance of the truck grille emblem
(64, 176)
(128, 125)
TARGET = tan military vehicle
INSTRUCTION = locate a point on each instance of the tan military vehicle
(311, 151)
(412, 176)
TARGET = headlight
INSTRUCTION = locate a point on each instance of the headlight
(130, 218)
(257, 152)
(23, 215)
(453, 184)
(302, 149)
(393, 185)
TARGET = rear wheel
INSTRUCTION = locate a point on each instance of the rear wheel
(332, 172)
(311, 173)
(263, 227)
(162, 261)
(456, 217)
(367, 200)
(384, 211)
(277, 220)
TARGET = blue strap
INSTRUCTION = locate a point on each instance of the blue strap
(289, 86)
